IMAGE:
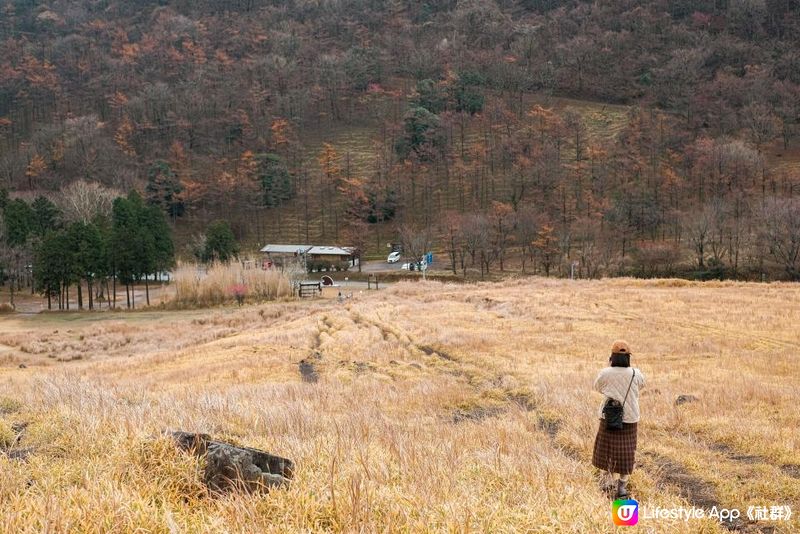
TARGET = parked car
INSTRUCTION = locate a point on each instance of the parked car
(416, 266)
(394, 257)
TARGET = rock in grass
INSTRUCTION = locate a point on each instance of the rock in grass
(308, 372)
(19, 454)
(10, 437)
(685, 399)
(231, 467)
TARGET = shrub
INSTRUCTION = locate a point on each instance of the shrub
(656, 259)
(239, 292)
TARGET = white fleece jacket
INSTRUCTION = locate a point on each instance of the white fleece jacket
(613, 382)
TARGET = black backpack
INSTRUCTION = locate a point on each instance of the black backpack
(613, 409)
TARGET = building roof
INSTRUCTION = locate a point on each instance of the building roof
(286, 249)
(308, 249)
(329, 251)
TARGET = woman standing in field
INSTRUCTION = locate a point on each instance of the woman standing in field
(615, 444)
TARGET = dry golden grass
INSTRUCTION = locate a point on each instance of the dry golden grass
(217, 284)
(438, 408)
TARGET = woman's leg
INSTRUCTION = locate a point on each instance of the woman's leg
(622, 485)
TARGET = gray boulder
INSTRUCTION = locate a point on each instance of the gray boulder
(231, 467)
(685, 399)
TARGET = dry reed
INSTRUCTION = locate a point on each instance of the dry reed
(221, 283)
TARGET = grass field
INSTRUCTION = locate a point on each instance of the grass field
(436, 407)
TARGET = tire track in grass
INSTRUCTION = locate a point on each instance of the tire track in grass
(521, 399)
(731, 454)
(701, 493)
(693, 489)
(766, 342)
(307, 367)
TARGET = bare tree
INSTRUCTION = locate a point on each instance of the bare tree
(502, 220)
(452, 237)
(781, 231)
(738, 234)
(83, 201)
(547, 249)
(526, 234)
(355, 232)
(761, 122)
(697, 226)
(416, 241)
(718, 230)
(479, 241)
(475, 238)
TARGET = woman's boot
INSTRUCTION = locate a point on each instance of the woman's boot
(622, 489)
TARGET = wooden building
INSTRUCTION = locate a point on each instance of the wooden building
(282, 255)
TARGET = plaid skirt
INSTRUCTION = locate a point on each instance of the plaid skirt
(615, 450)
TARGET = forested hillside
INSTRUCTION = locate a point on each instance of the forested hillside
(647, 138)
